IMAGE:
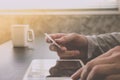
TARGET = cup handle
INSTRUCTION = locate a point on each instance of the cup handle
(33, 36)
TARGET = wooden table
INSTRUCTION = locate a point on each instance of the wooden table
(15, 61)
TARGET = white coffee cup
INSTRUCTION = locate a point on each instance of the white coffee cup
(21, 35)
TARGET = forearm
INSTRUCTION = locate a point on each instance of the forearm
(98, 44)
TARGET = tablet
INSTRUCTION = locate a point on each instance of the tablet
(50, 69)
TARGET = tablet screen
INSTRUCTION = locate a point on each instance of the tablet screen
(40, 69)
(64, 68)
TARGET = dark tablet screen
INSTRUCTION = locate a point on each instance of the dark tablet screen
(40, 69)
(64, 68)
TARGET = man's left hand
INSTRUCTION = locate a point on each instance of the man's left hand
(104, 67)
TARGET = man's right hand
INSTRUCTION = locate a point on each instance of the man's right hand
(72, 45)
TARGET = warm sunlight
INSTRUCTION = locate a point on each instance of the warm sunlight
(46, 7)
(55, 39)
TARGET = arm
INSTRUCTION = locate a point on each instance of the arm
(102, 43)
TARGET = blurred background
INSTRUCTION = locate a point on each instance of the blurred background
(87, 25)
(41, 23)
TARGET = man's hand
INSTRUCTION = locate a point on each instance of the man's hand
(72, 45)
(104, 67)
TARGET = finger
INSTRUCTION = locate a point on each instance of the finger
(69, 54)
(113, 77)
(65, 39)
(57, 35)
(77, 74)
(103, 70)
(90, 65)
(53, 47)
(54, 36)
(103, 59)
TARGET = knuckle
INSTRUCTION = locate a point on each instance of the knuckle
(117, 48)
(74, 34)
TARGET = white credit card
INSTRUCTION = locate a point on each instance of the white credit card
(53, 41)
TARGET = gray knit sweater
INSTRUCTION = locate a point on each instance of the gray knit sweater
(99, 44)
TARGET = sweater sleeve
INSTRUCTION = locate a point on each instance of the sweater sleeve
(98, 44)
